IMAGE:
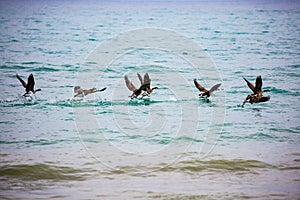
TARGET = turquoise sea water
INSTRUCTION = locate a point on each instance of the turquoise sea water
(50, 147)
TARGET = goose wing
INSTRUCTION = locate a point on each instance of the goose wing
(214, 88)
(200, 87)
(258, 84)
(141, 79)
(21, 80)
(30, 83)
(129, 84)
(250, 85)
(147, 79)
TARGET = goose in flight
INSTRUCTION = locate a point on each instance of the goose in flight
(206, 93)
(257, 95)
(29, 86)
(81, 92)
(145, 85)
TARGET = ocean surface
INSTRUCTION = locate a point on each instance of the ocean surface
(171, 145)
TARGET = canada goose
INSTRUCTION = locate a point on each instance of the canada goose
(29, 86)
(81, 92)
(145, 85)
(257, 95)
(206, 93)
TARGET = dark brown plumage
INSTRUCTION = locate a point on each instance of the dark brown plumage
(206, 93)
(257, 95)
(29, 86)
(145, 85)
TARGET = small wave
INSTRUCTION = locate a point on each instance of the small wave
(259, 136)
(294, 66)
(286, 130)
(39, 142)
(194, 166)
(92, 39)
(44, 69)
(13, 67)
(222, 165)
(20, 101)
(71, 68)
(64, 103)
(160, 141)
(189, 139)
(78, 102)
(255, 136)
(245, 33)
(31, 63)
(37, 172)
(274, 90)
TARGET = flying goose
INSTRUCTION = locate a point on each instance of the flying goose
(206, 93)
(81, 92)
(257, 95)
(145, 85)
(29, 86)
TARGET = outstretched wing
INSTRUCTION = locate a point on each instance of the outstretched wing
(129, 84)
(147, 79)
(200, 87)
(214, 88)
(141, 79)
(30, 83)
(250, 85)
(258, 84)
(21, 80)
